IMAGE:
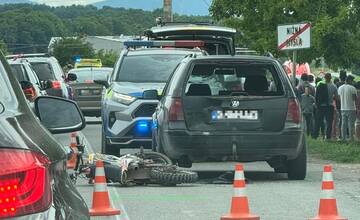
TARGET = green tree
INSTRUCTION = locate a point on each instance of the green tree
(66, 48)
(108, 58)
(335, 26)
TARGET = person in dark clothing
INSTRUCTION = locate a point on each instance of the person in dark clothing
(342, 77)
(322, 123)
(326, 92)
(296, 90)
(311, 79)
(307, 108)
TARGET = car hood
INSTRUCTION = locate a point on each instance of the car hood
(137, 89)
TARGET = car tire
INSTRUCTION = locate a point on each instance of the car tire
(107, 148)
(296, 168)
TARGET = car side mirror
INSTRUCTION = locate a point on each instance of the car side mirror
(59, 115)
(71, 77)
(102, 82)
(45, 84)
(150, 94)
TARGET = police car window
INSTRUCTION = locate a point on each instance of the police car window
(43, 71)
(148, 68)
(237, 79)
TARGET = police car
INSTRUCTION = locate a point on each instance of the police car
(133, 90)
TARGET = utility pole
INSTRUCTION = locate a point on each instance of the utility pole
(168, 16)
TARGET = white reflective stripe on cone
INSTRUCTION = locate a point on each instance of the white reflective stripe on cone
(239, 175)
(99, 171)
(327, 176)
(239, 192)
(327, 194)
(100, 187)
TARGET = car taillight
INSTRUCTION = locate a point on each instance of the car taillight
(56, 84)
(294, 112)
(30, 93)
(176, 112)
(24, 183)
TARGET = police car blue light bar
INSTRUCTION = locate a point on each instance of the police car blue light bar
(165, 43)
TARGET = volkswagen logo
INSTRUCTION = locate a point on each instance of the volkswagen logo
(235, 104)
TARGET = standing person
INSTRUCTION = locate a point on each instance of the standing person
(307, 107)
(322, 123)
(357, 122)
(325, 94)
(311, 80)
(342, 78)
(348, 96)
(305, 83)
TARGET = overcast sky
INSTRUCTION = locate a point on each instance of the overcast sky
(66, 2)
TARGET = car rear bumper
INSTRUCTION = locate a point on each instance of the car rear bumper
(51, 213)
(259, 146)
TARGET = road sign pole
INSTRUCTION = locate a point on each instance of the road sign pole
(294, 66)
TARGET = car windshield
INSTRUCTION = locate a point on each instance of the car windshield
(19, 72)
(148, 68)
(43, 71)
(90, 74)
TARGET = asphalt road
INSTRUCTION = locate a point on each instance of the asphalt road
(271, 196)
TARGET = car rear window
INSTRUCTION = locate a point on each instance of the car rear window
(86, 75)
(148, 68)
(234, 79)
(19, 72)
(43, 71)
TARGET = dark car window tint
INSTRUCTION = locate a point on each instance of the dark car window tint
(19, 72)
(83, 76)
(149, 68)
(234, 79)
(43, 71)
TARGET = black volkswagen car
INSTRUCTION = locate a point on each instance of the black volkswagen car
(34, 183)
(240, 108)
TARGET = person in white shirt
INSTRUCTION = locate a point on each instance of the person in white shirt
(347, 93)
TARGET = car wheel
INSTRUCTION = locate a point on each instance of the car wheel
(296, 168)
(107, 148)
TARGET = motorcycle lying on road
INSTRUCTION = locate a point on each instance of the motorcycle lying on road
(144, 167)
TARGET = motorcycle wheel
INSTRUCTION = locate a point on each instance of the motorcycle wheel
(170, 175)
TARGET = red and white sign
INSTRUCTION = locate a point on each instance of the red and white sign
(294, 36)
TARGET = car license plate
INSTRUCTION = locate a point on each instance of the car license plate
(85, 92)
(235, 114)
(96, 92)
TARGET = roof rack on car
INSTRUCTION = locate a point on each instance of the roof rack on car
(164, 43)
(16, 56)
(268, 54)
(182, 23)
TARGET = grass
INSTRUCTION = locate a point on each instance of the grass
(340, 152)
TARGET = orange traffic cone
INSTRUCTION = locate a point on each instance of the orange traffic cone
(73, 144)
(239, 203)
(101, 203)
(328, 208)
